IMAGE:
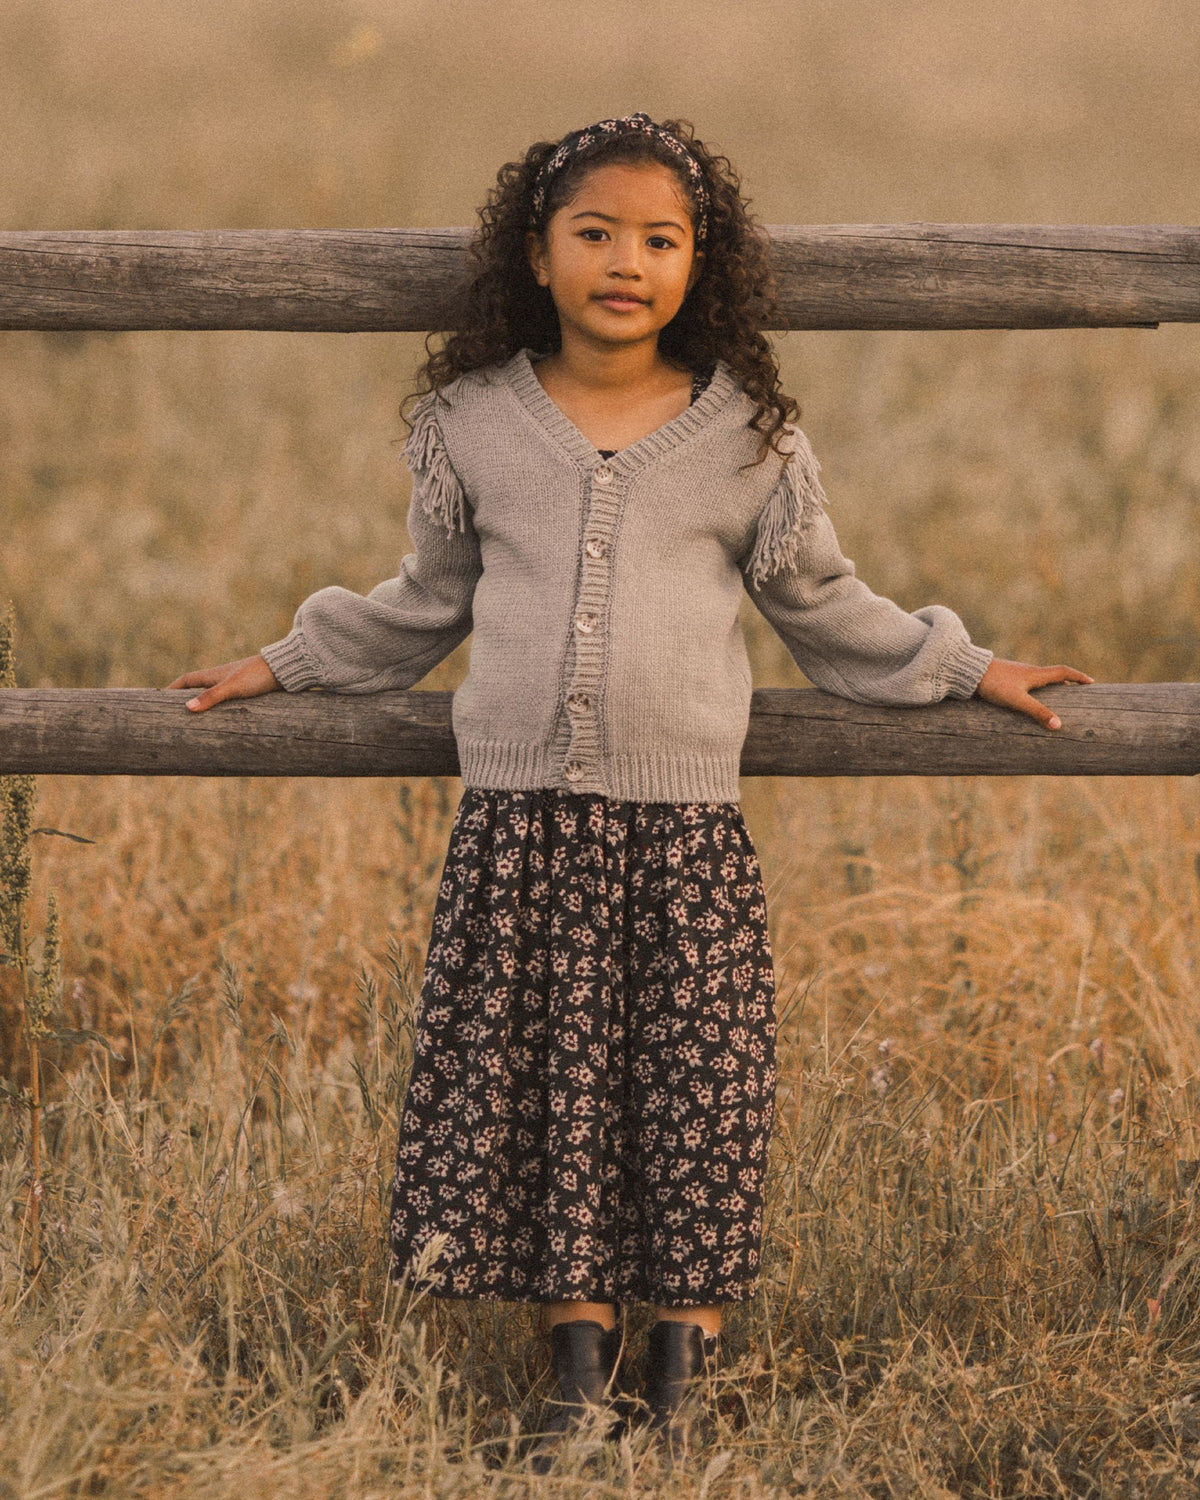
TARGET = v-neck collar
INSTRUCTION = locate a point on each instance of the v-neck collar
(531, 393)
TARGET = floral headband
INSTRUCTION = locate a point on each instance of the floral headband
(580, 140)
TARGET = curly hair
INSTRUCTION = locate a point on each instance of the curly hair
(503, 309)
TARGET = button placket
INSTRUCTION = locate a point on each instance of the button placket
(580, 738)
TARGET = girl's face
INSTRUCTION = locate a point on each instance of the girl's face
(620, 256)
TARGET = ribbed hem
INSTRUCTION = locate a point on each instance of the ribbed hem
(962, 669)
(496, 766)
(660, 777)
(292, 663)
(500, 766)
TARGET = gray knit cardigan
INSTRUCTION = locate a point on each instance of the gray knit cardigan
(607, 654)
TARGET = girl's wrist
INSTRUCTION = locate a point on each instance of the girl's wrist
(291, 663)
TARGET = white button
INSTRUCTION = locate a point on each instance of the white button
(585, 623)
(594, 547)
(602, 475)
(578, 703)
(573, 771)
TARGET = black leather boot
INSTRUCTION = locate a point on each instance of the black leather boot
(676, 1356)
(585, 1360)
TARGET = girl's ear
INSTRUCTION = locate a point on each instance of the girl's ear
(535, 248)
(697, 267)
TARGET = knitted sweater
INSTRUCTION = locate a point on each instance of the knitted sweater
(607, 654)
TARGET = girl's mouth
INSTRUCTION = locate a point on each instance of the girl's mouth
(622, 303)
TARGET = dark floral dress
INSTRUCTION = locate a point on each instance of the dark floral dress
(593, 1080)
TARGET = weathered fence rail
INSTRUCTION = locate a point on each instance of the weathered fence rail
(881, 276)
(1109, 729)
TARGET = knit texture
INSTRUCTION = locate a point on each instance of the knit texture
(607, 655)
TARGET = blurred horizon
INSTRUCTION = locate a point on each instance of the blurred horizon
(288, 114)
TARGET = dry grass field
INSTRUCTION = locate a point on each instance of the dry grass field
(983, 1273)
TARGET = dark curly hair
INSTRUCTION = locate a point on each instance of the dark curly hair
(503, 309)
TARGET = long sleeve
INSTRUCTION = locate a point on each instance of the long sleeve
(843, 637)
(390, 638)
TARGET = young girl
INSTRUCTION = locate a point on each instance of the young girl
(603, 459)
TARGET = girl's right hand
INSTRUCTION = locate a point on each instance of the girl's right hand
(247, 678)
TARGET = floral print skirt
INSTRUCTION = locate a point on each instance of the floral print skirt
(592, 1088)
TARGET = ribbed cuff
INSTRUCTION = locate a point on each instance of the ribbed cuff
(961, 671)
(293, 664)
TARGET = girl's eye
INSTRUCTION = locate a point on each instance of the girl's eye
(656, 241)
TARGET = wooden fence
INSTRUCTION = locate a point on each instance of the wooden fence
(880, 276)
(375, 280)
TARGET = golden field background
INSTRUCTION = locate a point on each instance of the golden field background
(982, 1257)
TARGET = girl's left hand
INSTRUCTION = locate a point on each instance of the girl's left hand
(247, 678)
(1008, 683)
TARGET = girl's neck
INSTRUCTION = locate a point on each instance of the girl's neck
(614, 396)
(613, 371)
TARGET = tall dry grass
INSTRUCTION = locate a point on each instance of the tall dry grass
(981, 1275)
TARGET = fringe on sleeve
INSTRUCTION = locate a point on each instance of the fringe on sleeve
(794, 504)
(442, 498)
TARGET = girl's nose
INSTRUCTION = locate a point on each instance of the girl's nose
(626, 257)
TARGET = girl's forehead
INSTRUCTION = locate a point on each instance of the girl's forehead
(633, 186)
